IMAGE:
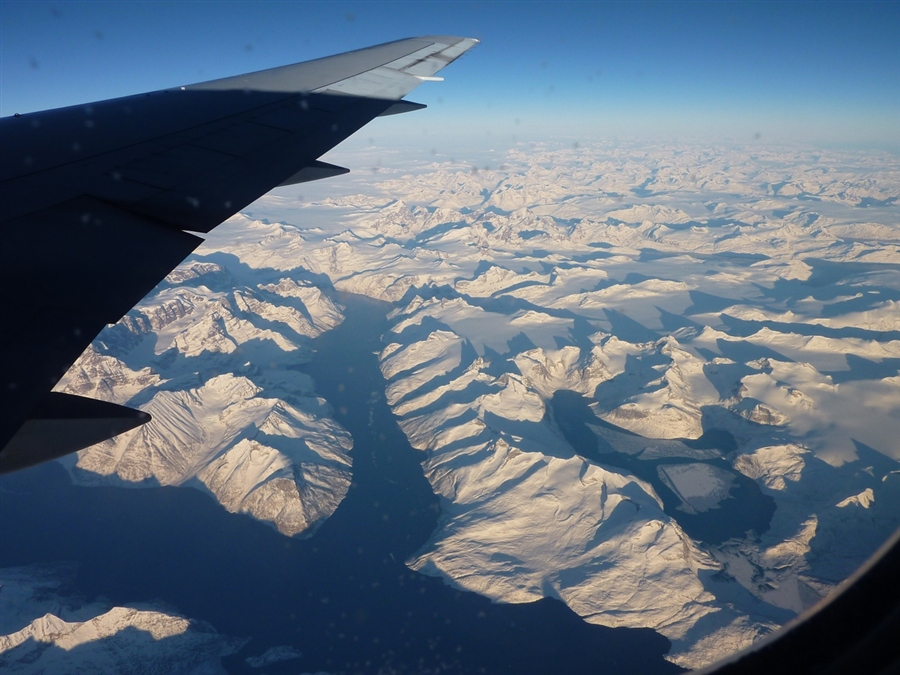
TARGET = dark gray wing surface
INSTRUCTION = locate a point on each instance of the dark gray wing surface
(99, 202)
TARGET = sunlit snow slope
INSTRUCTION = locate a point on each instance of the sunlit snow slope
(213, 355)
(71, 637)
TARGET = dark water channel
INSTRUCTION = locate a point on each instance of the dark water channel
(746, 508)
(343, 597)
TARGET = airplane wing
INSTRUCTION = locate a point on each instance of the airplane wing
(100, 202)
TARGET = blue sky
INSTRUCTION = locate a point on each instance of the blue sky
(823, 72)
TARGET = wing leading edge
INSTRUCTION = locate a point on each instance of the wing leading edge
(100, 202)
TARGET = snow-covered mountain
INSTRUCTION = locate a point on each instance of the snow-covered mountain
(71, 637)
(706, 299)
(215, 362)
(727, 317)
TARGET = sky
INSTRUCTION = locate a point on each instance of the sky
(812, 72)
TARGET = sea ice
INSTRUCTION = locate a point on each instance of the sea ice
(700, 487)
